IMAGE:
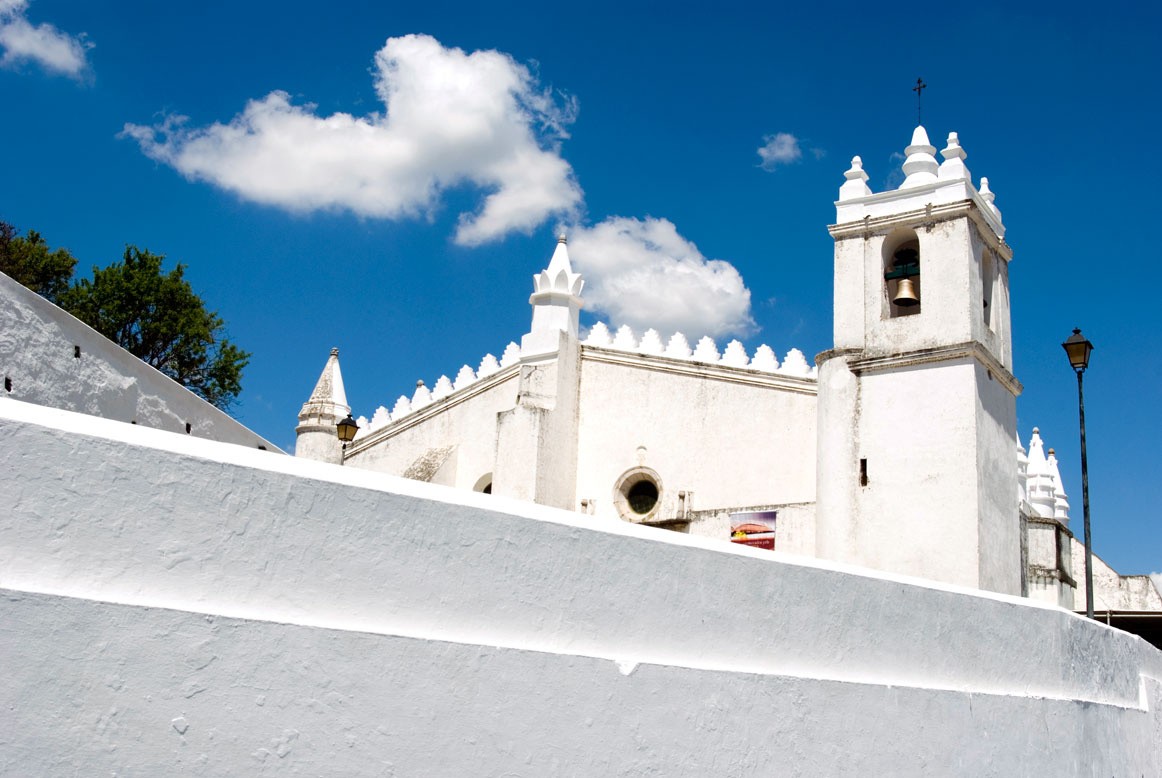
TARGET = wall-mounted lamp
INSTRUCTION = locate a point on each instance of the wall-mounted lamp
(346, 429)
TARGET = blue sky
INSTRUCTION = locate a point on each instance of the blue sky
(632, 123)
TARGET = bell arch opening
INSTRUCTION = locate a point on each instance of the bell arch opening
(901, 260)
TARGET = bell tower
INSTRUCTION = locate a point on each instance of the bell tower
(917, 401)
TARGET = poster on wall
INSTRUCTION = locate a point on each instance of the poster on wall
(754, 528)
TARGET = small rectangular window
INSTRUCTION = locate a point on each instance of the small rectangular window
(863, 472)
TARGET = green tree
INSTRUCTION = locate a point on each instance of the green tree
(29, 261)
(156, 316)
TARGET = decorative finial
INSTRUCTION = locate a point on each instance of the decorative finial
(918, 89)
(561, 238)
(856, 183)
(419, 383)
(334, 351)
(985, 192)
(989, 198)
(953, 165)
(920, 166)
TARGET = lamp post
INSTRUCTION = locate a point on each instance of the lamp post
(1078, 349)
(346, 429)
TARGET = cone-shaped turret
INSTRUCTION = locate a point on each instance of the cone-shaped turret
(327, 405)
(556, 302)
(559, 275)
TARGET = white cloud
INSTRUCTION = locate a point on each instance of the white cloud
(782, 148)
(641, 272)
(42, 43)
(451, 119)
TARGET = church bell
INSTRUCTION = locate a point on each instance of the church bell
(906, 294)
(905, 270)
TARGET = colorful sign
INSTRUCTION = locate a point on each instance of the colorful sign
(754, 528)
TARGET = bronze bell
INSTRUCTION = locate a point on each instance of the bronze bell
(906, 294)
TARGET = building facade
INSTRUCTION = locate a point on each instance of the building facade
(898, 452)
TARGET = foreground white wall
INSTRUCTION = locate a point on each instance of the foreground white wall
(174, 605)
(50, 357)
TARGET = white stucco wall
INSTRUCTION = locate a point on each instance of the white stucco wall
(466, 421)
(226, 612)
(930, 507)
(794, 527)
(1110, 590)
(731, 437)
(38, 344)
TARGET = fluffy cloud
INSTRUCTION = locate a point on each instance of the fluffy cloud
(641, 272)
(779, 149)
(43, 43)
(451, 119)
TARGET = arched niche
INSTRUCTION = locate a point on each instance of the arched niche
(902, 264)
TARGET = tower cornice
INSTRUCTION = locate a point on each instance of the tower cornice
(928, 213)
(900, 202)
(861, 362)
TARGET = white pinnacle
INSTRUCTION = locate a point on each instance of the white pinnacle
(856, 183)
(920, 167)
(953, 165)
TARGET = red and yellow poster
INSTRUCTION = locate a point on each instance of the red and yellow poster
(754, 528)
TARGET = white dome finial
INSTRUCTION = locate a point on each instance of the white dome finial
(856, 183)
(953, 165)
(987, 195)
(920, 167)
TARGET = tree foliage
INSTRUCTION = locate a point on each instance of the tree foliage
(157, 316)
(29, 261)
(151, 314)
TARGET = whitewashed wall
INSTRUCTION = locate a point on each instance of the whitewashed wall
(227, 612)
(466, 422)
(731, 438)
(38, 343)
(1110, 590)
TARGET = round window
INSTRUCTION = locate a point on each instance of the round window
(642, 497)
(638, 494)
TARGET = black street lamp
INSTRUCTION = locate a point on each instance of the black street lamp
(346, 429)
(1078, 349)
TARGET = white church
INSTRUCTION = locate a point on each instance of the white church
(487, 586)
(897, 451)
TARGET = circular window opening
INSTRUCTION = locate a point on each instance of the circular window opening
(642, 497)
(638, 494)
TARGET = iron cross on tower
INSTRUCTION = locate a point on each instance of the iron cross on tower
(918, 89)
